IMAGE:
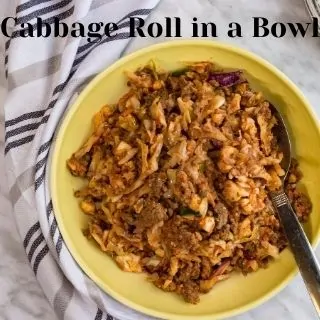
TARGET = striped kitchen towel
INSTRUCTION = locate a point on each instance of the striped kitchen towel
(42, 75)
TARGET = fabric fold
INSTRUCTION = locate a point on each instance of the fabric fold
(43, 76)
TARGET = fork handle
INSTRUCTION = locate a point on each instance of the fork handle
(300, 246)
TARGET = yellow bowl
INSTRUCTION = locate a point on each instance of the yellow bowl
(239, 293)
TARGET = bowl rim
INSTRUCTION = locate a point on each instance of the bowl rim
(69, 112)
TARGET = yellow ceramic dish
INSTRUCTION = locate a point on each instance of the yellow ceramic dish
(239, 293)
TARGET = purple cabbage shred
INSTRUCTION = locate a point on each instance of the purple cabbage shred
(227, 79)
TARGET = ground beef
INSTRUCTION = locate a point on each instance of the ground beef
(178, 236)
(299, 200)
(214, 175)
(249, 250)
(300, 203)
(190, 292)
(152, 213)
(206, 268)
(171, 205)
(223, 234)
(127, 217)
(191, 271)
(222, 214)
(157, 183)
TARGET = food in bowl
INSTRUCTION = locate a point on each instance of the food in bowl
(178, 173)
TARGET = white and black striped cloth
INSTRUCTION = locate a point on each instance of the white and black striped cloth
(42, 75)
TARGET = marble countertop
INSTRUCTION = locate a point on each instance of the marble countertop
(20, 295)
